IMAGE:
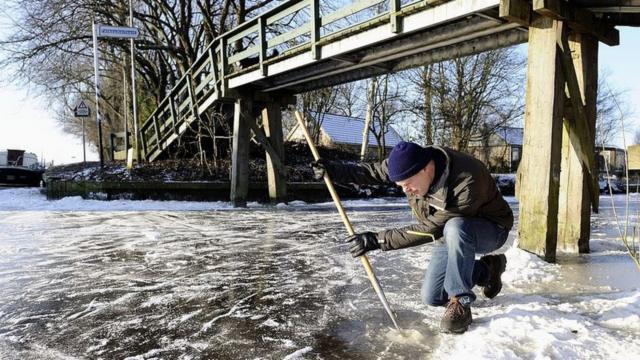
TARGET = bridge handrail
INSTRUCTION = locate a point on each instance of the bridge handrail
(209, 72)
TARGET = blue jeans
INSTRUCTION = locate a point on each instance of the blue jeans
(453, 269)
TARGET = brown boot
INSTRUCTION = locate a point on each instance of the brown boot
(456, 318)
(497, 264)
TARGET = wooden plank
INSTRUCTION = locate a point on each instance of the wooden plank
(244, 54)
(262, 139)
(282, 38)
(143, 139)
(240, 152)
(518, 11)
(214, 66)
(581, 20)
(575, 205)
(396, 20)
(581, 135)
(157, 135)
(174, 114)
(275, 166)
(262, 45)
(315, 29)
(276, 172)
(224, 67)
(286, 12)
(250, 30)
(539, 173)
(348, 10)
(192, 98)
(205, 83)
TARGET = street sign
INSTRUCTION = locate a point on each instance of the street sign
(120, 32)
(82, 110)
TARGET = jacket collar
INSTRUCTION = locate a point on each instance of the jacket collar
(437, 193)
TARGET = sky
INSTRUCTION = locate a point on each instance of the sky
(27, 123)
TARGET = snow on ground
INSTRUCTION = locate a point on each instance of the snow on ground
(180, 280)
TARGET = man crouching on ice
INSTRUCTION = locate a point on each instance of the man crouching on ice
(457, 205)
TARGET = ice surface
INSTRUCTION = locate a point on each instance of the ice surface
(178, 280)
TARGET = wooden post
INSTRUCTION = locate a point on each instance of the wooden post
(262, 41)
(575, 205)
(276, 175)
(539, 175)
(396, 25)
(240, 156)
(315, 29)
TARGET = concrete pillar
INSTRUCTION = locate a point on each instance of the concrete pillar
(240, 157)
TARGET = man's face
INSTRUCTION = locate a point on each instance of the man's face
(419, 183)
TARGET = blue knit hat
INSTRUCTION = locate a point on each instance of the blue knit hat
(407, 159)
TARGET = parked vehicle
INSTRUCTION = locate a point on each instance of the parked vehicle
(20, 168)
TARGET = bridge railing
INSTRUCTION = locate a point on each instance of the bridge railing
(182, 105)
(286, 30)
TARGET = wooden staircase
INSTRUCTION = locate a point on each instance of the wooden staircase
(192, 95)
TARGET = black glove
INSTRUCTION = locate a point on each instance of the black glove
(320, 167)
(363, 242)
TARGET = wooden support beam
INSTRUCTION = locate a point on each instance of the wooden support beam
(581, 20)
(276, 171)
(580, 129)
(263, 140)
(539, 173)
(574, 203)
(240, 153)
(518, 11)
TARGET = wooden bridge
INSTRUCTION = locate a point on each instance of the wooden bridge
(260, 65)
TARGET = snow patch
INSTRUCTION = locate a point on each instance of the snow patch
(298, 354)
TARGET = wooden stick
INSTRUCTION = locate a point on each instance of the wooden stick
(347, 223)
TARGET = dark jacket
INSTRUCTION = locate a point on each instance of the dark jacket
(465, 188)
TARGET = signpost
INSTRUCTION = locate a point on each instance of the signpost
(117, 32)
(133, 86)
(82, 111)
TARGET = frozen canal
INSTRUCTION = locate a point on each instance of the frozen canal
(203, 281)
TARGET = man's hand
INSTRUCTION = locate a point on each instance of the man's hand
(363, 242)
(320, 168)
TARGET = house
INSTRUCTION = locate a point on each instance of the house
(502, 151)
(345, 132)
(633, 152)
(610, 159)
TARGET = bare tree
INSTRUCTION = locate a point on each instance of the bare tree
(461, 98)
(315, 105)
(386, 108)
(50, 47)
(611, 109)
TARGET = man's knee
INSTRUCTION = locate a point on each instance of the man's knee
(454, 227)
